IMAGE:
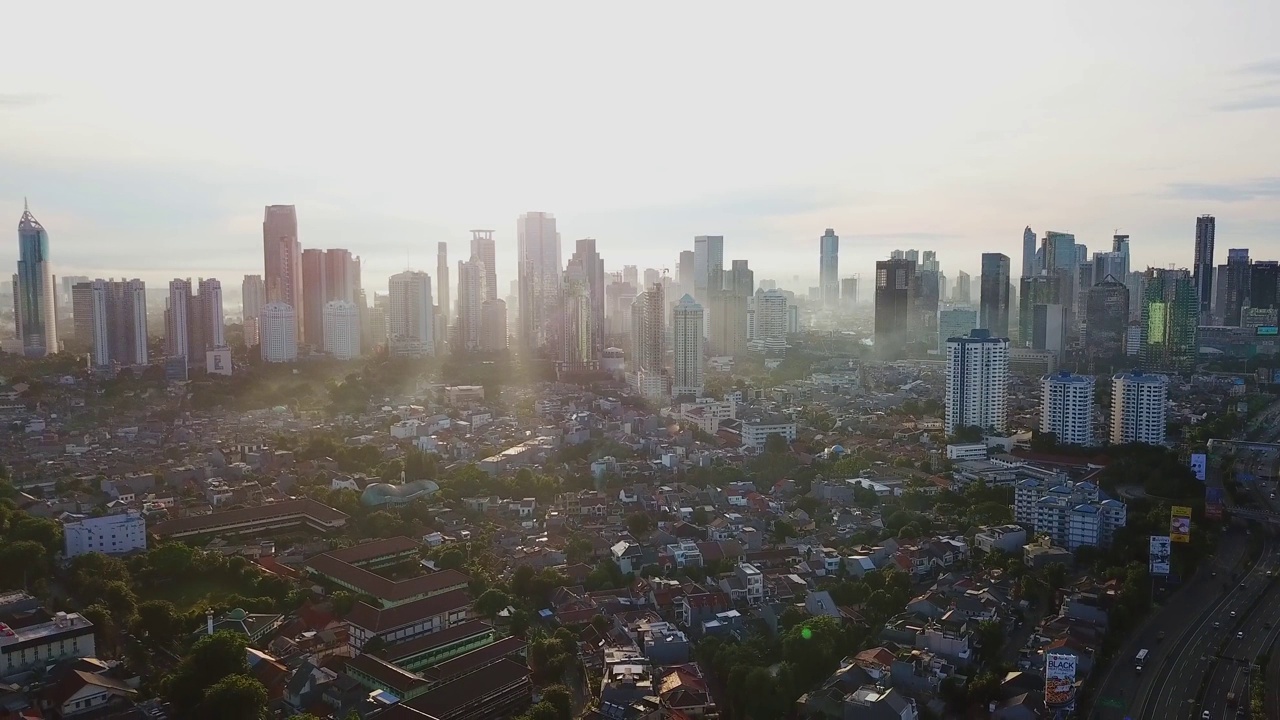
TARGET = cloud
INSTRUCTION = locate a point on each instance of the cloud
(1244, 191)
(17, 101)
(1264, 102)
(1262, 74)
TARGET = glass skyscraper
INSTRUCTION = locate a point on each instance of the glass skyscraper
(33, 293)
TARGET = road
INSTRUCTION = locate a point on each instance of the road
(1233, 667)
(1130, 689)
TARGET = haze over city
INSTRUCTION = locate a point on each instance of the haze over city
(149, 140)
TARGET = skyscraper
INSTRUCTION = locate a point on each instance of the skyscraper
(443, 287)
(1029, 252)
(1042, 289)
(955, 322)
(829, 268)
(631, 275)
(684, 272)
(686, 326)
(1120, 244)
(493, 325)
(538, 273)
(177, 320)
(648, 338)
(592, 269)
(963, 294)
(708, 264)
(212, 319)
(577, 320)
(279, 333)
(1066, 408)
(1049, 329)
(1112, 265)
(1169, 320)
(993, 307)
(1106, 321)
(35, 309)
(470, 305)
(1264, 284)
(82, 312)
(341, 330)
(283, 260)
(411, 314)
(1202, 272)
(618, 298)
(977, 374)
(314, 294)
(1139, 407)
(894, 306)
(1235, 285)
(483, 250)
(849, 292)
(770, 322)
(253, 295)
(117, 321)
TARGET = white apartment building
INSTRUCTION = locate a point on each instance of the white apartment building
(770, 322)
(279, 330)
(977, 382)
(707, 413)
(411, 316)
(1139, 406)
(67, 635)
(342, 330)
(757, 427)
(687, 342)
(109, 534)
(1066, 407)
(1073, 515)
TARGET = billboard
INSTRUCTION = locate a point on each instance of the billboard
(1160, 552)
(1214, 500)
(1268, 330)
(1180, 524)
(1199, 465)
(1059, 680)
(1275, 377)
(218, 362)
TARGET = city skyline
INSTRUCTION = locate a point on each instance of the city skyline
(190, 171)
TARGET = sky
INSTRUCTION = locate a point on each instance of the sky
(149, 136)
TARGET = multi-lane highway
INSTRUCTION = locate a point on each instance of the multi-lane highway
(1233, 669)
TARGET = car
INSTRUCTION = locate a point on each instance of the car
(1216, 624)
(1233, 613)
(1239, 636)
(1205, 715)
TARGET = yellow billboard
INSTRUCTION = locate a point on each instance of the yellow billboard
(1180, 524)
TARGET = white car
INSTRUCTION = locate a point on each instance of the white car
(1239, 636)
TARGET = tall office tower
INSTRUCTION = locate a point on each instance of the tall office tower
(1264, 284)
(1082, 253)
(955, 322)
(977, 382)
(578, 321)
(1235, 283)
(829, 268)
(82, 312)
(928, 292)
(895, 305)
(618, 297)
(1049, 329)
(1202, 272)
(1169, 319)
(1120, 244)
(493, 325)
(177, 320)
(314, 294)
(341, 275)
(443, 286)
(253, 295)
(849, 292)
(592, 269)
(483, 249)
(648, 338)
(771, 315)
(727, 323)
(1112, 265)
(1136, 284)
(912, 255)
(1106, 321)
(212, 320)
(471, 293)
(1139, 407)
(279, 333)
(708, 264)
(99, 322)
(1084, 281)
(963, 294)
(1066, 408)
(341, 330)
(685, 266)
(66, 284)
(929, 262)
(687, 341)
(631, 275)
(411, 314)
(117, 320)
(652, 277)
(1042, 289)
(1029, 252)
(897, 255)
(993, 305)
(538, 272)
(282, 269)
(34, 301)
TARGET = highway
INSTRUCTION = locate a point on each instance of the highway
(1234, 666)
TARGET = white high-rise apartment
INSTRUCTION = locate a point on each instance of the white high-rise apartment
(1066, 408)
(770, 327)
(279, 333)
(977, 382)
(538, 277)
(1139, 405)
(177, 331)
(829, 268)
(212, 320)
(342, 329)
(253, 295)
(687, 341)
(411, 314)
(708, 265)
(100, 297)
(117, 321)
(471, 298)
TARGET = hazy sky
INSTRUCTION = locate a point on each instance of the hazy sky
(150, 137)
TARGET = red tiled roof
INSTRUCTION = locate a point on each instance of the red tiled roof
(304, 507)
(371, 618)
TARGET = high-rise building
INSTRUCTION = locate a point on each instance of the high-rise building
(1049, 329)
(895, 306)
(849, 292)
(708, 264)
(443, 287)
(483, 250)
(1029, 253)
(1264, 284)
(977, 374)
(1169, 320)
(1066, 408)
(34, 301)
(1235, 283)
(67, 283)
(652, 277)
(618, 298)
(770, 322)
(687, 340)
(283, 260)
(955, 322)
(631, 275)
(341, 275)
(177, 320)
(1060, 258)
(194, 321)
(577, 327)
(1106, 321)
(493, 326)
(1120, 244)
(1136, 284)
(993, 305)
(471, 292)
(591, 267)
(314, 294)
(253, 295)
(1042, 289)
(411, 314)
(341, 330)
(212, 319)
(648, 338)
(829, 268)
(1108, 265)
(963, 294)
(117, 319)
(279, 333)
(539, 273)
(1202, 272)
(684, 271)
(1139, 406)
(727, 324)
(82, 312)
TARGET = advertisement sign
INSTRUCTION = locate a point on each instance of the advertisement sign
(1275, 376)
(1268, 330)
(1199, 465)
(1214, 500)
(1160, 552)
(1180, 524)
(1059, 679)
(218, 362)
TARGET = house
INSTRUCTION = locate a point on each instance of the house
(83, 693)
(683, 693)
(627, 555)
(1005, 538)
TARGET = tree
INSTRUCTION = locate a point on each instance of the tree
(775, 444)
(783, 530)
(542, 711)
(234, 696)
(211, 659)
(158, 621)
(22, 562)
(451, 559)
(638, 523)
(991, 642)
(105, 632)
(121, 601)
(559, 697)
(492, 602)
